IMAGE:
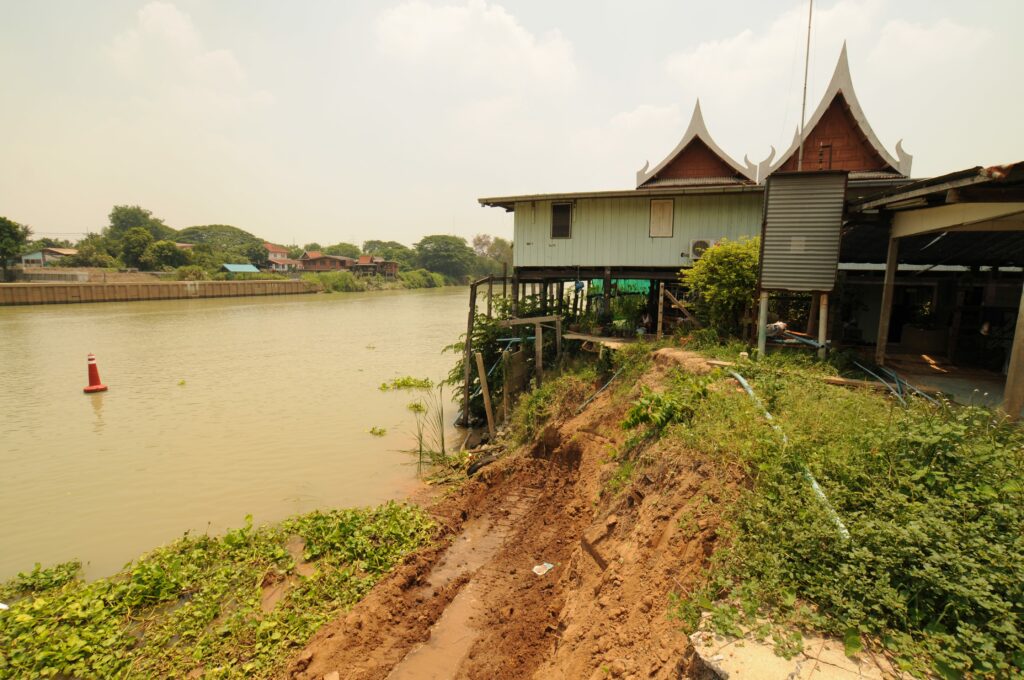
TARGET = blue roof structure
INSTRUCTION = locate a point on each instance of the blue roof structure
(240, 268)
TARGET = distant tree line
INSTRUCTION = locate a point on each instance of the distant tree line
(135, 238)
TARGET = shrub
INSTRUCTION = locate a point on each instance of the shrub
(336, 282)
(932, 496)
(192, 272)
(421, 278)
(724, 282)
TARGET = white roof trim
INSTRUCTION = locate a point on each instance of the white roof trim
(696, 129)
(842, 82)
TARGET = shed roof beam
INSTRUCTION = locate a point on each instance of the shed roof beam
(959, 217)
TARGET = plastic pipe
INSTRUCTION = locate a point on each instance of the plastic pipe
(815, 487)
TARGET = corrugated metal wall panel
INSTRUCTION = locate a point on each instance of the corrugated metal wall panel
(616, 231)
(802, 230)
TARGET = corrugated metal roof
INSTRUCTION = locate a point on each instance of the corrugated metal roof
(802, 230)
(240, 268)
(508, 202)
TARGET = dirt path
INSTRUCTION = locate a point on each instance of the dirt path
(472, 607)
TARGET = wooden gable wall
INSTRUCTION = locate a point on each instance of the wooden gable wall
(850, 148)
(696, 160)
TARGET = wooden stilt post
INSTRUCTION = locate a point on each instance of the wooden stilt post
(544, 299)
(606, 303)
(538, 352)
(762, 324)
(560, 292)
(490, 296)
(468, 355)
(823, 326)
(888, 287)
(661, 307)
(954, 326)
(486, 391)
(504, 279)
(506, 371)
(515, 295)
(1013, 393)
(558, 340)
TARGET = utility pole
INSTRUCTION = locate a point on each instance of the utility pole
(803, 104)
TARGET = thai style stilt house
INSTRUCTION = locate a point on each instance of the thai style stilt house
(929, 268)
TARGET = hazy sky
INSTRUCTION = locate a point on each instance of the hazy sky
(348, 120)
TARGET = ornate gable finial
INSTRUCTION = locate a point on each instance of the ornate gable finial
(696, 129)
(842, 84)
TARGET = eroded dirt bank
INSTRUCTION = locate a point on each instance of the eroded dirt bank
(472, 607)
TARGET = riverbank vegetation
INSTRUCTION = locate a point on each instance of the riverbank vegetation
(137, 239)
(228, 606)
(930, 494)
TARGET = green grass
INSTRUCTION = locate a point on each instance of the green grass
(196, 603)
(933, 498)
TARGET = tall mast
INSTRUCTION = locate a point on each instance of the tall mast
(803, 104)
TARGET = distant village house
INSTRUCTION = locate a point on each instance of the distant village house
(278, 260)
(46, 256)
(316, 261)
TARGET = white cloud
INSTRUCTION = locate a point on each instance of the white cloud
(164, 55)
(627, 139)
(750, 83)
(475, 41)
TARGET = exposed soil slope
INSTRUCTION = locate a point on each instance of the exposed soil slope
(471, 607)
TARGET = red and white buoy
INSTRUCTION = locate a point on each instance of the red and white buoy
(94, 377)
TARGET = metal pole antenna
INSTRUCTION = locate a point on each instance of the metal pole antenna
(803, 104)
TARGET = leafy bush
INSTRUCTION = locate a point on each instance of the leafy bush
(724, 282)
(421, 278)
(336, 282)
(192, 272)
(195, 605)
(933, 498)
(555, 399)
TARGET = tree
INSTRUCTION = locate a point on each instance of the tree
(448, 255)
(482, 243)
(134, 244)
(344, 249)
(724, 281)
(257, 254)
(392, 250)
(93, 251)
(312, 246)
(500, 250)
(294, 252)
(163, 255)
(125, 217)
(13, 239)
(47, 242)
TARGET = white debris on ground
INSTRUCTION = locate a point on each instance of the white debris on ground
(732, 658)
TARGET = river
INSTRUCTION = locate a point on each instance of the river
(217, 409)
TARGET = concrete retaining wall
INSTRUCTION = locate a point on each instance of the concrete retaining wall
(64, 293)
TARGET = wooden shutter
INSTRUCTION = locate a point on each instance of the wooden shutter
(661, 217)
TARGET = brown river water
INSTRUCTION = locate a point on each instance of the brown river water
(217, 409)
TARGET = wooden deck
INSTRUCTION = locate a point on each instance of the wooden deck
(610, 343)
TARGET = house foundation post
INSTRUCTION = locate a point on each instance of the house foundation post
(606, 302)
(762, 324)
(887, 292)
(515, 295)
(1013, 393)
(823, 325)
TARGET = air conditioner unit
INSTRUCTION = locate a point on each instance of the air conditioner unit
(698, 246)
